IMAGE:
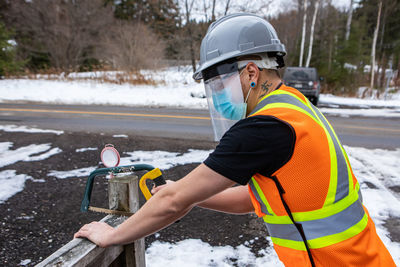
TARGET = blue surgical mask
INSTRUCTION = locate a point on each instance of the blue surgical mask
(223, 104)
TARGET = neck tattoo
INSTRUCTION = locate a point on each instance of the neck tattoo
(266, 87)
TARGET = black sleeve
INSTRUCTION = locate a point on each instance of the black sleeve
(259, 144)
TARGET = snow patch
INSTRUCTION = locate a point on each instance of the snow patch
(377, 169)
(120, 136)
(175, 88)
(196, 253)
(85, 149)
(394, 113)
(159, 159)
(26, 129)
(25, 262)
(163, 159)
(73, 173)
(26, 153)
(12, 183)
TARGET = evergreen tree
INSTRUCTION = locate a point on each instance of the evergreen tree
(8, 62)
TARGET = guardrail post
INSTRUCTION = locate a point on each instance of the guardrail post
(123, 194)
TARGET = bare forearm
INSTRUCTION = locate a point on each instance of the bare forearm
(235, 200)
(155, 216)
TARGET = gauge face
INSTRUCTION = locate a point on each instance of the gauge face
(110, 156)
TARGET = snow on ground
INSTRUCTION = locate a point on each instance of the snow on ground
(163, 159)
(85, 149)
(12, 183)
(72, 173)
(376, 170)
(373, 112)
(25, 262)
(195, 253)
(26, 153)
(394, 101)
(26, 129)
(160, 159)
(120, 136)
(175, 89)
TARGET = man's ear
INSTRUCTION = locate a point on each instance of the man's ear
(253, 72)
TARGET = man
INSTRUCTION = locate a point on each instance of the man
(292, 169)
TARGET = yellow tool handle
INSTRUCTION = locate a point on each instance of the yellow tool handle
(156, 176)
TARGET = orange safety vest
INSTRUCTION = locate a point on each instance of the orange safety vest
(312, 205)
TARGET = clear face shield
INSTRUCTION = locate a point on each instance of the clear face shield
(225, 97)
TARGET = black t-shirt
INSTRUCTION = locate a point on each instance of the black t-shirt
(258, 144)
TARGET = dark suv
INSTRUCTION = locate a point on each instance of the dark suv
(305, 80)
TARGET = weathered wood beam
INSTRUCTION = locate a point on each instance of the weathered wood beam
(82, 252)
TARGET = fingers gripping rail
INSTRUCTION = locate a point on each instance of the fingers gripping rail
(152, 174)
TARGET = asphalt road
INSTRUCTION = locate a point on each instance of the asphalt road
(177, 123)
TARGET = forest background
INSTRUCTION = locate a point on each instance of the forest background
(351, 46)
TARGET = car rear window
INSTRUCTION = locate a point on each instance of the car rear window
(300, 75)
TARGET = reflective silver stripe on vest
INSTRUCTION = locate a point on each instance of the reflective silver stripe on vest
(342, 188)
(334, 224)
(262, 205)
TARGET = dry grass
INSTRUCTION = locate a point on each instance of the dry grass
(101, 76)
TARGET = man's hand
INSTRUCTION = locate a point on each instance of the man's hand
(99, 233)
(158, 188)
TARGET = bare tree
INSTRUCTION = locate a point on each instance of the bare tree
(67, 30)
(205, 9)
(131, 46)
(303, 35)
(310, 45)
(373, 50)
(227, 7)
(188, 11)
(213, 11)
(349, 18)
(388, 8)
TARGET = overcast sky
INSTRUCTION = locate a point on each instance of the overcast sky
(259, 7)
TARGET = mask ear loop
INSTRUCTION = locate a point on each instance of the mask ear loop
(252, 84)
(248, 94)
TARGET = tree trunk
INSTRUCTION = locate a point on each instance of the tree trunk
(189, 29)
(303, 36)
(227, 7)
(205, 7)
(397, 80)
(213, 11)
(384, 63)
(312, 33)
(373, 50)
(348, 24)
